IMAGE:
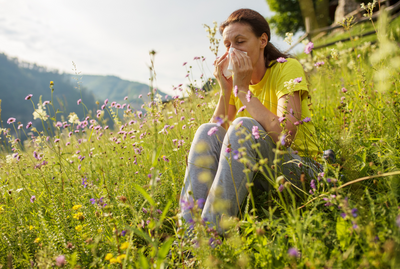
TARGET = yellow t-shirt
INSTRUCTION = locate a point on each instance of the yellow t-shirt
(271, 88)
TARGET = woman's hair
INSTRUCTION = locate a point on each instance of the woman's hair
(259, 26)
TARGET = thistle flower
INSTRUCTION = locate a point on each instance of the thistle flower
(11, 120)
(212, 131)
(281, 60)
(308, 47)
(235, 91)
(255, 132)
(29, 96)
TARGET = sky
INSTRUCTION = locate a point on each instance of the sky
(104, 37)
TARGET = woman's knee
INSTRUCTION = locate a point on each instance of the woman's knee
(208, 129)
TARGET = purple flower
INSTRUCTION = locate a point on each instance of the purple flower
(187, 205)
(312, 184)
(228, 150)
(297, 123)
(11, 120)
(235, 91)
(20, 126)
(236, 154)
(343, 215)
(106, 101)
(93, 201)
(200, 202)
(241, 109)
(281, 119)
(298, 80)
(144, 210)
(159, 211)
(33, 198)
(79, 101)
(61, 261)
(255, 132)
(309, 47)
(293, 252)
(29, 125)
(282, 140)
(354, 212)
(281, 60)
(355, 226)
(307, 119)
(212, 131)
(123, 232)
(281, 188)
(84, 180)
(220, 121)
(57, 140)
(29, 96)
(248, 96)
(184, 63)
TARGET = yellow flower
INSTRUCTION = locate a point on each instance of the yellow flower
(30, 227)
(37, 240)
(113, 260)
(51, 83)
(124, 245)
(1, 209)
(76, 207)
(99, 230)
(78, 228)
(108, 257)
(78, 216)
(120, 258)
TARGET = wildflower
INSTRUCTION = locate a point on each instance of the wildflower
(228, 150)
(79, 101)
(307, 119)
(282, 140)
(255, 132)
(40, 113)
(184, 63)
(281, 60)
(344, 90)
(220, 121)
(236, 154)
(46, 103)
(288, 38)
(241, 109)
(79, 228)
(144, 210)
(281, 119)
(61, 261)
(212, 131)
(20, 126)
(120, 258)
(235, 91)
(293, 252)
(78, 216)
(123, 233)
(108, 257)
(37, 240)
(140, 96)
(312, 184)
(33, 198)
(124, 245)
(29, 96)
(29, 125)
(354, 212)
(309, 47)
(298, 80)
(76, 207)
(343, 215)
(11, 120)
(187, 205)
(93, 201)
(297, 123)
(56, 140)
(200, 202)
(51, 83)
(318, 64)
(248, 96)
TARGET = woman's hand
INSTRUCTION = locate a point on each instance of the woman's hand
(220, 65)
(242, 70)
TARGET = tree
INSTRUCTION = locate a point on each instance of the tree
(289, 17)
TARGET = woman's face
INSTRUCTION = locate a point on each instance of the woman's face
(240, 36)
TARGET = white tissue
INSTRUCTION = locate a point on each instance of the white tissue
(228, 71)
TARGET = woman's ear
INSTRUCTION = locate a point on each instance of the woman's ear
(263, 40)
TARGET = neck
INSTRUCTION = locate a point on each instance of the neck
(258, 71)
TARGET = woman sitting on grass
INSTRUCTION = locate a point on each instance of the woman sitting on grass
(268, 96)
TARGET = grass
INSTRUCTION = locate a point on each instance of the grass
(117, 207)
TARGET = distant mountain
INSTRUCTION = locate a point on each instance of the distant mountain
(18, 79)
(113, 88)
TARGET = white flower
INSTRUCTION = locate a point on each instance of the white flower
(40, 113)
(334, 53)
(10, 159)
(73, 118)
(288, 38)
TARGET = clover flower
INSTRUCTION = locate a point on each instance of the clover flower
(344, 90)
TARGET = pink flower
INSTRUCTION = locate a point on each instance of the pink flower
(235, 91)
(140, 96)
(307, 119)
(344, 90)
(57, 140)
(228, 150)
(29, 125)
(186, 75)
(126, 98)
(241, 109)
(255, 132)
(29, 96)
(11, 120)
(318, 64)
(309, 48)
(61, 261)
(79, 101)
(46, 103)
(212, 131)
(20, 126)
(281, 119)
(281, 60)
(297, 123)
(298, 80)
(248, 96)
(106, 101)
(184, 63)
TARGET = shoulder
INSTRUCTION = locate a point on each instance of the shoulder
(292, 64)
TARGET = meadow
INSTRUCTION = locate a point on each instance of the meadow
(82, 195)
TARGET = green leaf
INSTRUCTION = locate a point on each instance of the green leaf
(143, 262)
(162, 253)
(145, 194)
(343, 232)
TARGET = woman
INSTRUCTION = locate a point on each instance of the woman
(275, 111)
